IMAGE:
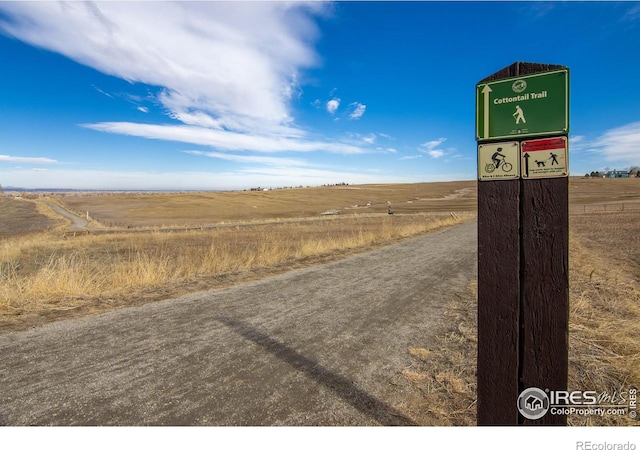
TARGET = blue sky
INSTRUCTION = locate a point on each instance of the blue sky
(233, 95)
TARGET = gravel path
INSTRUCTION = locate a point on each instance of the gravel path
(77, 223)
(317, 346)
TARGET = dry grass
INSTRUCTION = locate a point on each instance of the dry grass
(604, 325)
(445, 373)
(164, 209)
(614, 234)
(20, 217)
(225, 238)
(48, 273)
(589, 191)
(605, 308)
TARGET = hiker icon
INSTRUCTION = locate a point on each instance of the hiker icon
(554, 159)
(499, 160)
(519, 115)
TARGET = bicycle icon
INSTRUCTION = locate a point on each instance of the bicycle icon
(490, 167)
(499, 160)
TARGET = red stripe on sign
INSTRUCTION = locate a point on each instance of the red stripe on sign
(549, 144)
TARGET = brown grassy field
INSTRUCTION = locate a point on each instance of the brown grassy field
(49, 276)
(589, 191)
(20, 217)
(193, 209)
(153, 246)
(198, 209)
(44, 276)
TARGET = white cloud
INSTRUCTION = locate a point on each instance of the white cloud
(430, 149)
(575, 139)
(620, 144)
(102, 92)
(538, 10)
(632, 14)
(26, 160)
(232, 65)
(333, 105)
(358, 110)
(225, 140)
(430, 145)
(251, 159)
(224, 71)
(370, 139)
(410, 157)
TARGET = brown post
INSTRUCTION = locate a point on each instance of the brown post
(545, 289)
(498, 304)
(523, 299)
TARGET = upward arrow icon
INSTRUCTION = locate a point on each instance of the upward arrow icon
(485, 91)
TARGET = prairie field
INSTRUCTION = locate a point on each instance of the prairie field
(145, 247)
(18, 218)
(57, 275)
(207, 208)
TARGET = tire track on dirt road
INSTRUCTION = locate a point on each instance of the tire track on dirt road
(317, 346)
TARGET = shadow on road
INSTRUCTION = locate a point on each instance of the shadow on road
(361, 400)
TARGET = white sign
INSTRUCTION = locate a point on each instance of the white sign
(499, 161)
(545, 158)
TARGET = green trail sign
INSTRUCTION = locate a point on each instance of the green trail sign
(532, 105)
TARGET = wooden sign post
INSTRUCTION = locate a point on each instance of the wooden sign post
(523, 295)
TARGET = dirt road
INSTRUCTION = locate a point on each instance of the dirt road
(77, 223)
(318, 346)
